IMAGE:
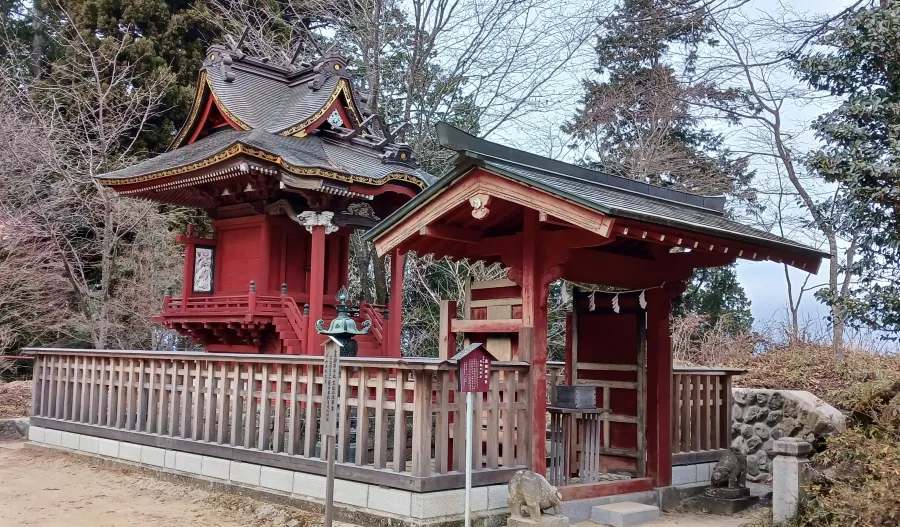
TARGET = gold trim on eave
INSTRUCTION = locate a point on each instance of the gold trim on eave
(189, 124)
(195, 109)
(238, 149)
(342, 87)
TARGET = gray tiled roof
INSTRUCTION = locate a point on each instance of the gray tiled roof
(606, 193)
(629, 204)
(312, 151)
(268, 103)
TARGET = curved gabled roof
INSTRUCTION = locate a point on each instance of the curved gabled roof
(256, 95)
(244, 106)
(312, 155)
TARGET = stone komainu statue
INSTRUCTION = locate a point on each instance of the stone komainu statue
(730, 471)
(532, 490)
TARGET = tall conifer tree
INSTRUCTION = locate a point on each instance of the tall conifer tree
(638, 119)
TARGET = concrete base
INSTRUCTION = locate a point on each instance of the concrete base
(624, 514)
(727, 493)
(580, 510)
(355, 503)
(723, 506)
(543, 521)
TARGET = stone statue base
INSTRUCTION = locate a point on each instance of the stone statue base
(544, 521)
(723, 501)
(727, 493)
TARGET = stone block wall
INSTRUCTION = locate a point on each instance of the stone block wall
(761, 417)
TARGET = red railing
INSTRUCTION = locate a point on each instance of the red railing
(249, 304)
(294, 316)
(375, 314)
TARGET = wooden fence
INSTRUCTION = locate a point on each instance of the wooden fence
(701, 413)
(408, 414)
(701, 410)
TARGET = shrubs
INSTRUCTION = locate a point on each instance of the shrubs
(856, 477)
(811, 367)
(15, 399)
(857, 482)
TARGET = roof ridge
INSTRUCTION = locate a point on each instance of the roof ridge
(461, 141)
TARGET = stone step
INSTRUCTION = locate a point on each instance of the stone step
(624, 514)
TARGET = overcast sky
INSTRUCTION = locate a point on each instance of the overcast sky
(764, 282)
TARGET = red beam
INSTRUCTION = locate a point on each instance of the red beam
(598, 490)
(450, 232)
(571, 239)
(181, 238)
(510, 325)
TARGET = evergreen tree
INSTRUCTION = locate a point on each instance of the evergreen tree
(861, 151)
(716, 294)
(640, 120)
(167, 37)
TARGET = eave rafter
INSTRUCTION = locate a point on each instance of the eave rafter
(697, 242)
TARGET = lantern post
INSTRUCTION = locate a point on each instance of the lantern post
(340, 343)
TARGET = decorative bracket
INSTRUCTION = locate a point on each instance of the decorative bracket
(479, 203)
(307, 218)
(310, 219)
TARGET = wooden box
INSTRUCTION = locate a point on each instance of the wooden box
(576, 397)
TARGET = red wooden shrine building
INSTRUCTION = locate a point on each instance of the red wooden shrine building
(545, 220)
(287, 163)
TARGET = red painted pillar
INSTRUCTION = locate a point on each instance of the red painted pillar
(316, 288)
(188, 286)
(534, 315)
(395, 308)
(659, 388)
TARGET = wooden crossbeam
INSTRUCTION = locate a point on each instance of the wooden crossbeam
(450, 232)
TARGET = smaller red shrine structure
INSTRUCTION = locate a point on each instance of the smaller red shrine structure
(545, 220)
(287, 163)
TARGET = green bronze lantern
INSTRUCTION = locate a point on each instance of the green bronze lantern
(343, 328)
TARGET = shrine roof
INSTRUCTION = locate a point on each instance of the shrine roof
(300, 155)
(604, 193)
(304, 118)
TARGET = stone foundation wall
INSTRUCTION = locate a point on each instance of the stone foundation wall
(761, 417)
(383, 507)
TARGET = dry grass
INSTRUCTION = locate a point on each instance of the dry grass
(812, 367)
(15, 399)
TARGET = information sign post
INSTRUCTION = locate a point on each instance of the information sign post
(330, 377)
(473, 373)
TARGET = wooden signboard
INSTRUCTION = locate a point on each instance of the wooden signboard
(331, 377)
(473, 368)
(473, 372)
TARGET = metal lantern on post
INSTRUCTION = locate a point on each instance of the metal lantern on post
(343, 327)
(340, 335)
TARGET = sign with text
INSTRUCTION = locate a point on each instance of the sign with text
(331, 377)
(474, 369)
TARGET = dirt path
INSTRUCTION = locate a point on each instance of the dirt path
(46, 488)
(49, 489)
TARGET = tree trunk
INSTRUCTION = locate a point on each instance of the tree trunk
(380, 278)
(361, 255)
(794, 335)
(37, 40)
